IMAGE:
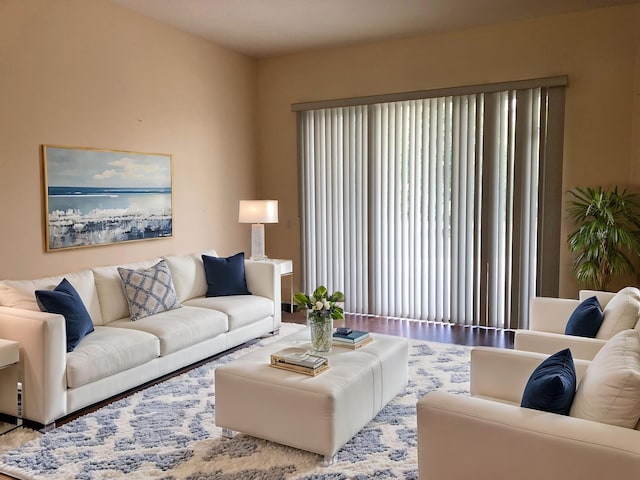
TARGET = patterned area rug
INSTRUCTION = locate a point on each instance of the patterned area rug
(168, 432)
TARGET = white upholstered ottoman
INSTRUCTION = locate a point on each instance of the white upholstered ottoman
(318, 414)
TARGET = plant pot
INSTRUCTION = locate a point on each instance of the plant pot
(321, 327)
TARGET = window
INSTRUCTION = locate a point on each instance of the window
(441, 208)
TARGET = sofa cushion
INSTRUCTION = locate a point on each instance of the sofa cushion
(113, 302)
(621, 313)
(21, 293)
(610, 389)
(585, 319)
(225, 276)
(552, 385)
(149, 290)
(179, 328)
(108, 351)
(65, 301)
(188, 274)
(241, 309)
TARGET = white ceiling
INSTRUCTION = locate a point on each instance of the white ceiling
(264, 28)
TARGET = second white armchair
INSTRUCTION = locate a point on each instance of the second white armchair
(548, 319)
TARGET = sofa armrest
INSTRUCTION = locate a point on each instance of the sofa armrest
(43, 350)
(548, 314)
(500, 440)
(263, 278)
(549, 343)
(502, 374)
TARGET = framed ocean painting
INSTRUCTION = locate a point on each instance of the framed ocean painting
(99, 197)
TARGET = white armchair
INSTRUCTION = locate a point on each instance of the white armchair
(548, 319)
(488, 434)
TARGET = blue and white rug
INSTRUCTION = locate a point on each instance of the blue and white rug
(168, 432)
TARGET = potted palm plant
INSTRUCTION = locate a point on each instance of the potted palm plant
(607, 238)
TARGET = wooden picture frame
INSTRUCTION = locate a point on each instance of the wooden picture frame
(100, 197)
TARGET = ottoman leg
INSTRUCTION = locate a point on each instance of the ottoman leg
(228, 433)
(328, 460)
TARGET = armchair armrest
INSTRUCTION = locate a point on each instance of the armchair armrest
(501, 440)
(550, 314)
(43, 350)
(549, 343)
(502, 374)
(263, 278)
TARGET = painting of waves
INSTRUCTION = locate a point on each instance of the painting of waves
(97, 197)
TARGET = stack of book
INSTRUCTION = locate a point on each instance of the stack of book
(299, 360)
(354, 339)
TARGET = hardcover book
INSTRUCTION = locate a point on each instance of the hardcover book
(353, 337)
(353, 345)
(299, 360)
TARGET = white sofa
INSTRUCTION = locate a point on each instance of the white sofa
(488, 434)
(548, 319)
(121, 354)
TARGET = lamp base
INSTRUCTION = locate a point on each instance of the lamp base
(257, 242)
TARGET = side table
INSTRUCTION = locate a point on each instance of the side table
(10, 375)
(286, 271)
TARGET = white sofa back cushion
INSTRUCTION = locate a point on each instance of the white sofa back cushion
(113, 301)
(188, 275)
(609, 392)
(21, 293)
(621, 313)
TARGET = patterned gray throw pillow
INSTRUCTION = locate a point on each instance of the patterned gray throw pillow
(149, 291)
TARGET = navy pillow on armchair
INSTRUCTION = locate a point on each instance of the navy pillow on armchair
(225, 276)
(65, 300)
(586, 319)
(552, 385)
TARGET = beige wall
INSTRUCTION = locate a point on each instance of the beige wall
(598, 50)
(90, 73)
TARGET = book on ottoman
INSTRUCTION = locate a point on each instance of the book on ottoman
(354, 336)
(354, 339)
(299, 360)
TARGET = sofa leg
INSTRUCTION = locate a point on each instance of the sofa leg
(328, 460)
(41, 427)
(228, 433)
(49, 427)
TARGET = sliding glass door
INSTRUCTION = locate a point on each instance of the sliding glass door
(430, 208)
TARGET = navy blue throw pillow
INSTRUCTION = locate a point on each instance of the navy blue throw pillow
(65, 300)
(586, 319)
(552, 385)
(225, 276)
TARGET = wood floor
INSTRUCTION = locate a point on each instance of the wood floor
(418, 330)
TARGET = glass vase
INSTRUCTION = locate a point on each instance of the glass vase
(321, 327)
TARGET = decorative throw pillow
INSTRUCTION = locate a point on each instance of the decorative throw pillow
(65, 300)
(585, 319)
(552, 384)
(149, 291)
(610, 389)
(621, 313)
(225, 276)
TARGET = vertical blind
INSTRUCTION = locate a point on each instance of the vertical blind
(428, 208)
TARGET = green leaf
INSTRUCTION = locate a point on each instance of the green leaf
(302, 300)
(320, 292)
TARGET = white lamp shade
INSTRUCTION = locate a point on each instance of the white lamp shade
(258, 211)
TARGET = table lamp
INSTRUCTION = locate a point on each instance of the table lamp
(258, 212)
